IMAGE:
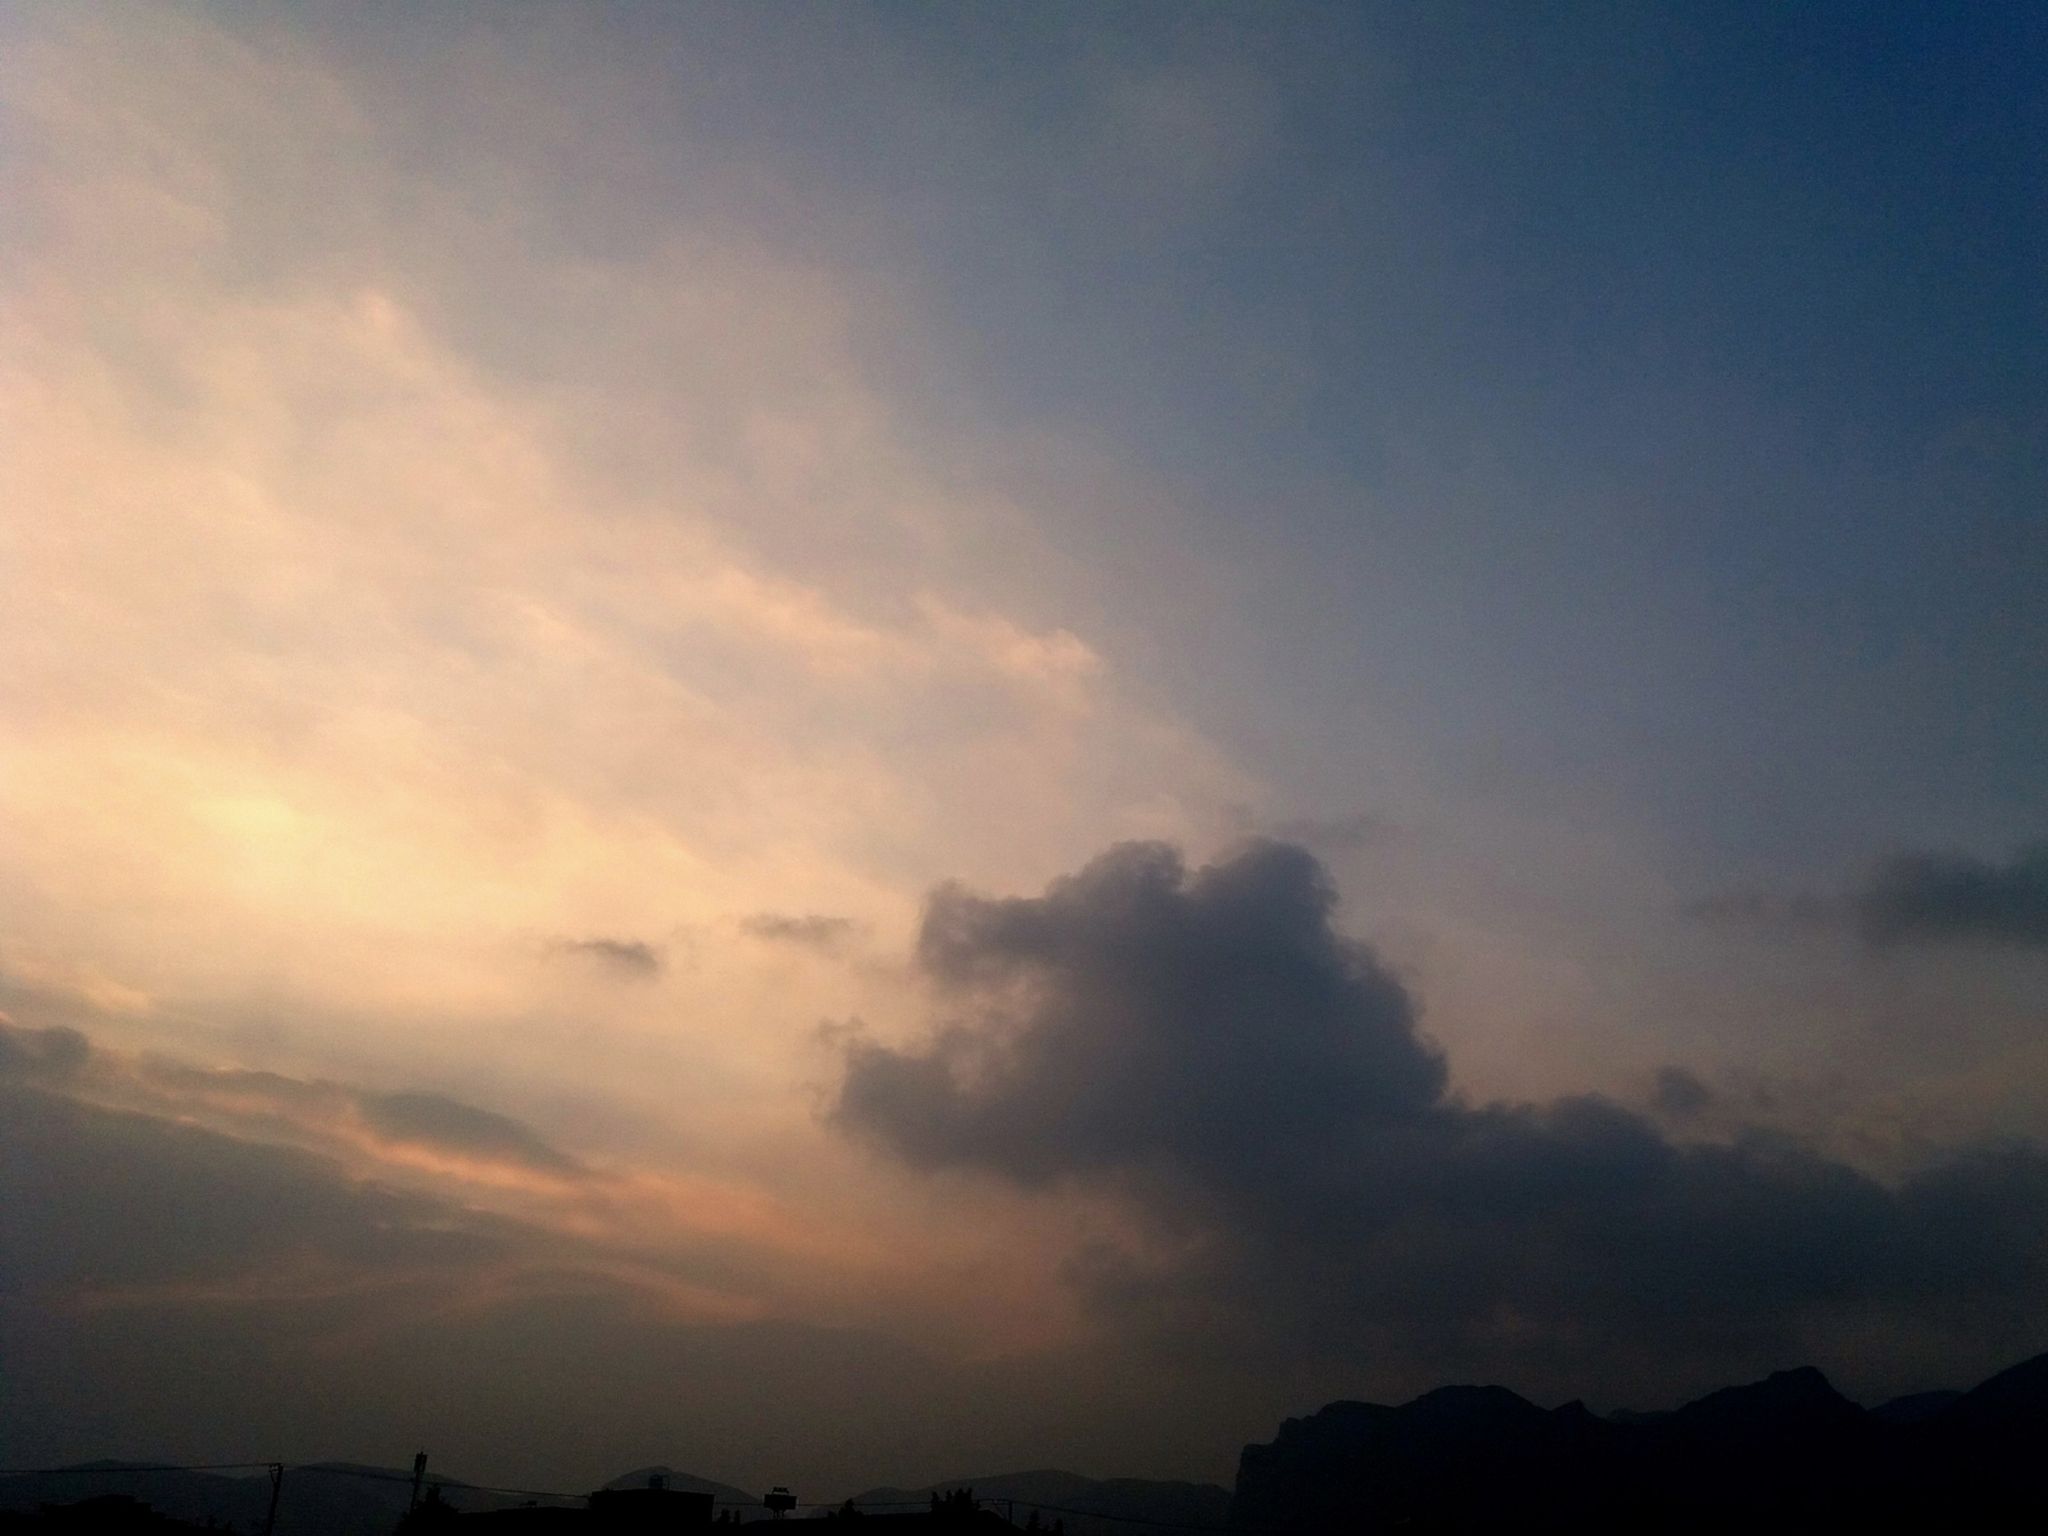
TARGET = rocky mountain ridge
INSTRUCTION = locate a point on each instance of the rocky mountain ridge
(1788, 1453)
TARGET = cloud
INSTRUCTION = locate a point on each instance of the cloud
(165, 1284)
(1136, 1017)
(1913, 898)
(101, 1199)
(57, 1052)
(1208, 1045)
(1949, 898)
(633, 958)
(601, 624)
(433, 1120)
(310, 1114)
(705, 1245)
(811, 930)
(340, 1118)
(1680, 1094)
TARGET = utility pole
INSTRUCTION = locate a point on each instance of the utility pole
(419, 1475)
(276, 1486)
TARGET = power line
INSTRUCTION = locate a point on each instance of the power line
(378, 1475)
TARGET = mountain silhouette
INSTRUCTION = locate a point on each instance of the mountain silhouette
(1914, 1407)
(198, 1498)
(2012, 1394)
(1785, 1454)
(316, 1499)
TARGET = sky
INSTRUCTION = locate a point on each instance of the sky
(843, 744)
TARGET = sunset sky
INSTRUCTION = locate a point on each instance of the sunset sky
(849, 743)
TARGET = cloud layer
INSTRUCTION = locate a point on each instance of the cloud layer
(1208, 1044)
(1936, 898)
(176, 1268)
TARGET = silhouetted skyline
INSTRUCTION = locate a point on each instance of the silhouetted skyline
(1788, 1453)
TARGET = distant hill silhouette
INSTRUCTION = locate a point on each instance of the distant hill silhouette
(194, 1497)
(1096, 1507)
(319, 1499)
(106, 1514)
(1914, 1407)
(1785, 1454)
(323, 1499)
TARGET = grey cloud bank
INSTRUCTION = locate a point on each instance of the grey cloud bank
(172, 1293)
(53, 1052)
(1208, 1044)
(1936, 898)
(102, 1201)
(1916, 897)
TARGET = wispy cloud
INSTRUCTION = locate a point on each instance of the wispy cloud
(638, 1225)
(1953, 898)
(633, 958)
(1912, 898)
(809, 930)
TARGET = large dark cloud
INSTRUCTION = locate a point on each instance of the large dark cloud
(1210, 1044)
(1134, 1017)
(1934, 898)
